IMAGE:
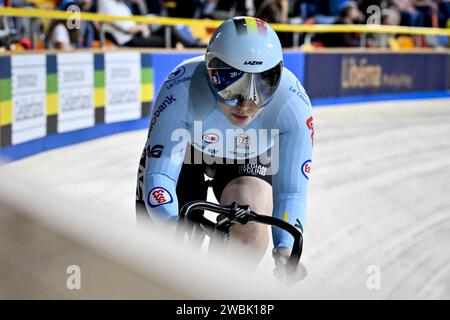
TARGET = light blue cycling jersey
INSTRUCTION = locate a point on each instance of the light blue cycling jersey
(185, 111)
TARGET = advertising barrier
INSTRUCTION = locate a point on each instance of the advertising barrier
(48, 100)
(52, 100)
(335, 75)
(448, 72)
(75, 83)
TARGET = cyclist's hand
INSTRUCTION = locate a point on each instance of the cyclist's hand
(281, 272)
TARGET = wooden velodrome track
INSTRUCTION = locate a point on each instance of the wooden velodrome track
(379, 196)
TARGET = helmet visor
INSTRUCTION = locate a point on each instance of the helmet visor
(233, 86)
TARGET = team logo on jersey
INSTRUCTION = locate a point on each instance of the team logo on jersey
(252, 169)
(159, 196)
(310, 125)
(300, 92)
(155, 151)
(243, 141)
(164, 104)
(306, 168)
(210, 138)
(177, 73)
(176, 77)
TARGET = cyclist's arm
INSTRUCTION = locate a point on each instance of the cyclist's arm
(164, 154)
(290, 183)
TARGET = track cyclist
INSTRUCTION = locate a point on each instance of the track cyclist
(239, 116)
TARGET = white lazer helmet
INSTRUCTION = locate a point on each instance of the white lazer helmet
(244, 60)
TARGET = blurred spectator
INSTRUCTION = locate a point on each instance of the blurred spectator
(419, 13)
(390, 16)
(206, 9)
(364, 5)
(273, 11)
(226, 9)
(138, 7)
(427, 9)
(444, 13)
(181, 33)
(62, 35)
(20, 28)
(349, 14)
(408, 12)
(127, 33)
(4, 28)
(319, 11)
(429, 17)
(155, 7)
(276, 11)
(182, 8)
(415, 13)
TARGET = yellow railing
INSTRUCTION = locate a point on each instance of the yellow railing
(56, 14)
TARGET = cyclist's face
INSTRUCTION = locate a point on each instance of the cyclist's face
(242, 114)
